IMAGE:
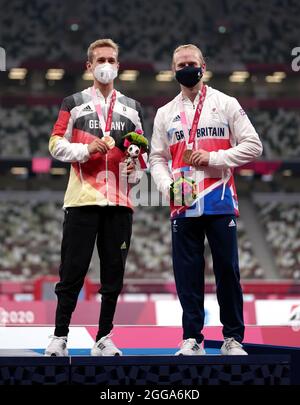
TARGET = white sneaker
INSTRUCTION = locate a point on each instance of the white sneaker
(105, 347)
(231, 347)
(190, 347)
(57, 347)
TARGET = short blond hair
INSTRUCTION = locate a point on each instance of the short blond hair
(101, 43)
(179, 48)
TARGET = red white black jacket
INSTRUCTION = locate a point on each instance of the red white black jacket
(95, 179)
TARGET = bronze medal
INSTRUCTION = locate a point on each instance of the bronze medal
(187, 156)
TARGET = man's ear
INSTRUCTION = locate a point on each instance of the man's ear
(203, 67)
(173, 69)
(88, 65)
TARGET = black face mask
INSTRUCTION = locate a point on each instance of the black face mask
(189, 76)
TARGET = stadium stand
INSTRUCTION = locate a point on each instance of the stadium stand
(25, 131)
(281, 220)
(232, 35)
(31, 232)
(279, 131)
(229, 31)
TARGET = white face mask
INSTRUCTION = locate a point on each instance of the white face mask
(105, 73)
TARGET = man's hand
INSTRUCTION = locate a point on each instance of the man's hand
(98, 146)
(199, 158)
(128, 168)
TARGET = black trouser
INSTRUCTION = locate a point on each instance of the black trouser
(111, 227)
(188, 262)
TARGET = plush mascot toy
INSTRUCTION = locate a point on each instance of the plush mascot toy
(136, 145)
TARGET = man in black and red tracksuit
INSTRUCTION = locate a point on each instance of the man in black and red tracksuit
(89, 134)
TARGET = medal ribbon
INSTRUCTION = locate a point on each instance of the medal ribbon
(184, 121)
(107, 124)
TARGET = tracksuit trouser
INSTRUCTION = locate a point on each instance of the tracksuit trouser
(188, 236)
(110, 228)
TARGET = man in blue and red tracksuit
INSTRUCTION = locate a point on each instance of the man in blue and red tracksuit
(205, 134)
